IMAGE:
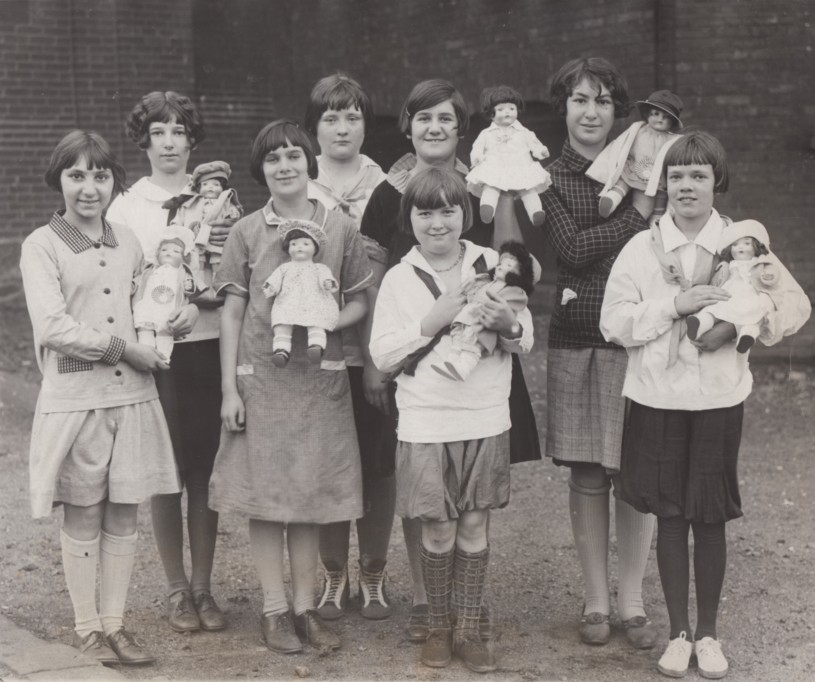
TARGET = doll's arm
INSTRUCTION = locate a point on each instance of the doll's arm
(274, 283)
(536, 147)
(721, 275)
(479, 151)
(327, 280)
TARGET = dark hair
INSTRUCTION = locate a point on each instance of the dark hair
(280, 133)
(499, 94)
(598, 72)
(525, 279)
(96, 151)
(698, 148)
(428, 94)
(435, 188)
(163, 107)
(224, 183)
(337, 92)
(298, 234)
(758, 248)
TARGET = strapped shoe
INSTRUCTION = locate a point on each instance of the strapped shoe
(278, 633)
(181, 613)
(375, 604)
(315, 353)
(210, 616)
(129, 651)
(418, 627)
(335, 594)
(594, 628)
(710, 660)
(310, 627)
(95, 646)
(437, 651)
(475, 653)
(640, 632)
(674, 662)
(280, 357)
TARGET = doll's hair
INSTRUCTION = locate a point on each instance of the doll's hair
(428, 94)
(699, 148)
(758, 248)
(598, 72)
(298, 234)
(280, 133)
(337, 92)
(435, 188)
(79, 144)
(499, 94)
(525, 279)
(164, 107)
(185, 257)
(224, 184)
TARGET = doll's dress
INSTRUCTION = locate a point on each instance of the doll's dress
(639, 165)
(746, 305)
(163, 293)
(507, 161)
(300, 297)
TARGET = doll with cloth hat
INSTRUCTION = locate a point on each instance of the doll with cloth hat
(305, 293)
(758, 284)
(163, 288)
(212, 202)
(633, 162)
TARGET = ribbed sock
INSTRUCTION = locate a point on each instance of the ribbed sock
(589, 512)
(303, 540)
(266, 545)
(117, 555)
(79, 559)
(634, 533)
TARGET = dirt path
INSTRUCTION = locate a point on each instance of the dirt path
(767, 621)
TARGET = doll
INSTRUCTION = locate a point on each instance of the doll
(756, 280)
(304, 292)
(213, 201)
(505, 157)
(634, 160)
(164, 287)
(512, 280)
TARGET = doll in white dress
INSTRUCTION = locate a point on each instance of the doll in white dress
(304, 292)
(633, 162)
(505, 157)
(758, 284)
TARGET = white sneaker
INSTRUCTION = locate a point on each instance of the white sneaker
(711, 660)
(674, 662)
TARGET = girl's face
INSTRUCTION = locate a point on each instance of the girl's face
(211, 189)
(302, 249)
(434, 133)
(170, 253)
(286, 172)
(589, 117)
(341, 133)
(169, 149)
(505, 114)
(87, 193)
(437, 229)
(506, 265)
(690, 193)
(743, 249)
(660, 121)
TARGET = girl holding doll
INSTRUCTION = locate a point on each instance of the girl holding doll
(99, 441)
(452, 461)
(288, 457)
(683, 429)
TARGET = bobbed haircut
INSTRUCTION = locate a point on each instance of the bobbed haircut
(598, 72)
(499, 94)
(337, 92)
(428, 94)
(758, 248)
(699, 148)
(163, 107)
(525, 279)
(435, 188)
(291, 235)
(83, 144)
(280, 133)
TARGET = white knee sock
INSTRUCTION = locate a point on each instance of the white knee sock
(266, 544)
(117, 554)
(281, 342)
(79, 558)
(634, 532)
(304, 542)
(588, 508)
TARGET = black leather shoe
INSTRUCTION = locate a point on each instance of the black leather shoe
(129, 651)
(418, 626)
(311, 629)
(474, 652)
(210, 616)
(95, 646)
(181, 614)
(278, 633)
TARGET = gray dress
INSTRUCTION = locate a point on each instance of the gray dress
(297, 459)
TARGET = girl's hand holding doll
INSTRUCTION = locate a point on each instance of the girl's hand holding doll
(144, 358)
(444, 310)
(220, 231)
(694, 299)
(498, 315)
(183, 320)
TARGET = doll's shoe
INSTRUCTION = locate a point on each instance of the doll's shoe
(314, 354)
(280, 357)
(487, 213)
(674, 662)
(443, 372)
(451, 369)
(745, 343)
(538, 218)
(693, 326)
(710, 659)
(606, 206)
(640, 632)
(95, 646)
(594, 629)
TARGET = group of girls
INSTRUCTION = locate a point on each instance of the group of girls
(303, 448)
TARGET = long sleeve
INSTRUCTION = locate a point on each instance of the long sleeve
(479, 150)
(536, 147)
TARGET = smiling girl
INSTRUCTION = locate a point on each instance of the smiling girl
(99, 442)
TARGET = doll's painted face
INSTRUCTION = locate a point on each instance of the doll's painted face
(170, 253)
(660, 121)
(507, 264)
(302, 249)
(743, 249)
(505, 114)
(211, 189)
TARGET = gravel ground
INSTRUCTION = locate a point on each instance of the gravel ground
(768, 609)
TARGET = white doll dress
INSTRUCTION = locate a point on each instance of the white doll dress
(746, 305)
(163, 295)
(300, 297)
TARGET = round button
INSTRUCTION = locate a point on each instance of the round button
(97, 245)
(106, 290)
(102, 263)
(118, 372)
(110, 319)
